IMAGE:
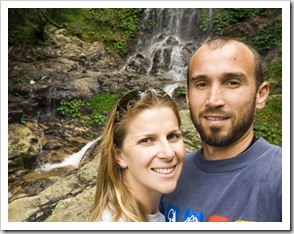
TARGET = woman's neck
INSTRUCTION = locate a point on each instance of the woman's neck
(149, 200)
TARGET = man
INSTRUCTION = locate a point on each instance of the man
(234, 176)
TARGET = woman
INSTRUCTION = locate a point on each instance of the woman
(141, 157)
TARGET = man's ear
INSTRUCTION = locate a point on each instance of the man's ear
(262, 94)
(120, 159)
(187, 97)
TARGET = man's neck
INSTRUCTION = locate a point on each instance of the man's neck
(219, 153)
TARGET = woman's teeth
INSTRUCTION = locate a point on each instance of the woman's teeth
(164, 170)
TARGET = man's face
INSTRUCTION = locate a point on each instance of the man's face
(222, 93)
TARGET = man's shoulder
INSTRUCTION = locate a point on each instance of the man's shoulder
(191, 155)
(189, 162)
(269, 151)
(266, 160)
(190, 158)
(264, 145)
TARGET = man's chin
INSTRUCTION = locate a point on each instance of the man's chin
(217, 140)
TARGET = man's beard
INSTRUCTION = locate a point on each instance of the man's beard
(214, 137)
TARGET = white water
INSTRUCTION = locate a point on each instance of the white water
(72, 160)
(168, 43)
(170, 88)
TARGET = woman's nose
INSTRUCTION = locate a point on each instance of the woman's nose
(165, 150)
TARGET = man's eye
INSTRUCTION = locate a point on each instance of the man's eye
(233, 84)
(201, 85)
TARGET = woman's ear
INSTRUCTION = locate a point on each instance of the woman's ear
(262, 94)
(120, 159)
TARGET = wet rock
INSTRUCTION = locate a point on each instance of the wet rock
(23, 148)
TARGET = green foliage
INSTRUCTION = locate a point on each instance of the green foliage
(97, 120)
(273, 73)
(268, 121)
(18, 30)
(120, 46)
(26, 26)
(275, 69)
(150, 24)
(70, 108)
(41, 56)
(267, 38)
(102, 103)
(23, 35)
(264, 40)
(204, 21)
(223, 17)
(129, 20)
(67, 15)
(181, 91)
(113, 26)
(240, 14)
(91, 135)
(22, 80)
(23, 120)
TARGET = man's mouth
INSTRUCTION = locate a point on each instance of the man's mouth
(215, 118)
(163, 170)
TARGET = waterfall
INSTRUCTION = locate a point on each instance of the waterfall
(72, 160)
(51, 95)
(167, 38)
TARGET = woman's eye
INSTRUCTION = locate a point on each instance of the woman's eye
(173, 136)
(146, 140)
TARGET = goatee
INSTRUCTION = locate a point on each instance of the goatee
(215, 135)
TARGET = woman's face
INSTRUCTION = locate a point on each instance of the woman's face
(152, 153)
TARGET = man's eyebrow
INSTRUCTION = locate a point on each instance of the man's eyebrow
(225, 74)
(236, 75)
(198, 77)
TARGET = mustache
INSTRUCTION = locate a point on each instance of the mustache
(215, 111)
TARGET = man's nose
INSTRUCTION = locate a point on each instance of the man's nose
(215, 97)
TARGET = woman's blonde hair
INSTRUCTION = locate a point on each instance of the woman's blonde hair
(112, 193)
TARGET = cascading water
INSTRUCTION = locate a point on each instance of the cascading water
(71, 160)
(165, 43)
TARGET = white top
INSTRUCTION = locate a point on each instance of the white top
(158, 217)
